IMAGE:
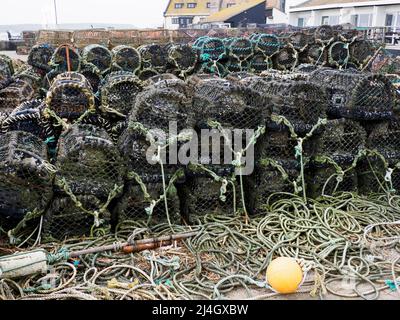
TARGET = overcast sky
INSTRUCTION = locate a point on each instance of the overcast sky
(147, 13)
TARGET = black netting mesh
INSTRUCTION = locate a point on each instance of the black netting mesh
(286, 59)
(89, 161)
(28, 117)
(6, 69)
(26, 181)
(324, 34)
(266, 44)
(338, 54)
(94, 78)
(65, 220)
(126, 58)
(183, 58)
(154, 57)
(316, 53)
(65, 58)
(259, 63)
(361, 52)
(119, 91)
(97, 58)
(14, 94)
(40, 55)
(70, 96)
(165, 81)
(299, 40)
(301, 102)
(357, 95)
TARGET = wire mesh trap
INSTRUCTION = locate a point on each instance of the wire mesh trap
(211, 49)
(167, 81)
(135, 204)
(300, 102)
(26, 179)
(118, 93)
(232, 106)
(28, 117)
(94, 78)
(126, 58)
(324, 34)
(361, 51)
(64, 219)
(70, 96)
(97, 58)
(183, 58)
(14, 94)
(156, 108)
(356, 95)
(266, 44)
(6, 68)
(316, 53)
(259, 63)
(65, 58)
(286, 58)
(40, 56)
(299, 40)
(154, 57)
(88, 162)
(338, 54)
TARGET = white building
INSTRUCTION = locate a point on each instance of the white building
(360, 13)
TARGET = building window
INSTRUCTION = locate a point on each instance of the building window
(191, 5)
(282, 5)
(175, 21)
(325, 20)
(178, 5)
(365, 20)
(230, 5)
(389, 21)
(330, 20)
(354, 19)
(208, 5)
(300, 22)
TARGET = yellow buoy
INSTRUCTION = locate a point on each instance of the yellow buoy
(284, 275)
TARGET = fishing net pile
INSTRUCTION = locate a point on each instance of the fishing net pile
(267, 146)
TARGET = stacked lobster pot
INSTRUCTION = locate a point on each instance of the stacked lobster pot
(240, 50)
(26, 176)
(265, 47)
(6, 71)
(65, 58)
(182, 59)
(14, 94)
(147, 144)
(337, 151)
(126, 58)
(89, 176)
(380, 171)
(228, 116)
(296, 109)
(211, 52)
(96, 62)
(154, 60)
(118, 93)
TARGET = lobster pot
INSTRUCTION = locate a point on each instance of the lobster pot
(235, 65)
(134, 205)
(299, 40)
(96, 58)
(159, 108)
(154, 57)
(232, 106)
(267, 184)
(64, 219)
(385, 138)
(183, 58)
(88, 161)
(211, 49)
(167, 81)
(6, 68)
(28, 117)
(26, 181)
(240, 49)
(321, 179)
(93, 77)
(119, 92)
(266, 44)
(201, 194)
(40, 56)
(302, 103)
(338, 54)
(259, 63)
(65, 58)
(351, 94)
(126, 58)
(324, 34)
(146, 74)
(16, 93)
(214, 68)
(286, 58)
(315, 53)
(341, 140)
(361, 51)
(70, 96)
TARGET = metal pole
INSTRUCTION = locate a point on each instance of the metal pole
(55, 11)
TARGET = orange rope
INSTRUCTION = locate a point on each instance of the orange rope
(67, 48)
